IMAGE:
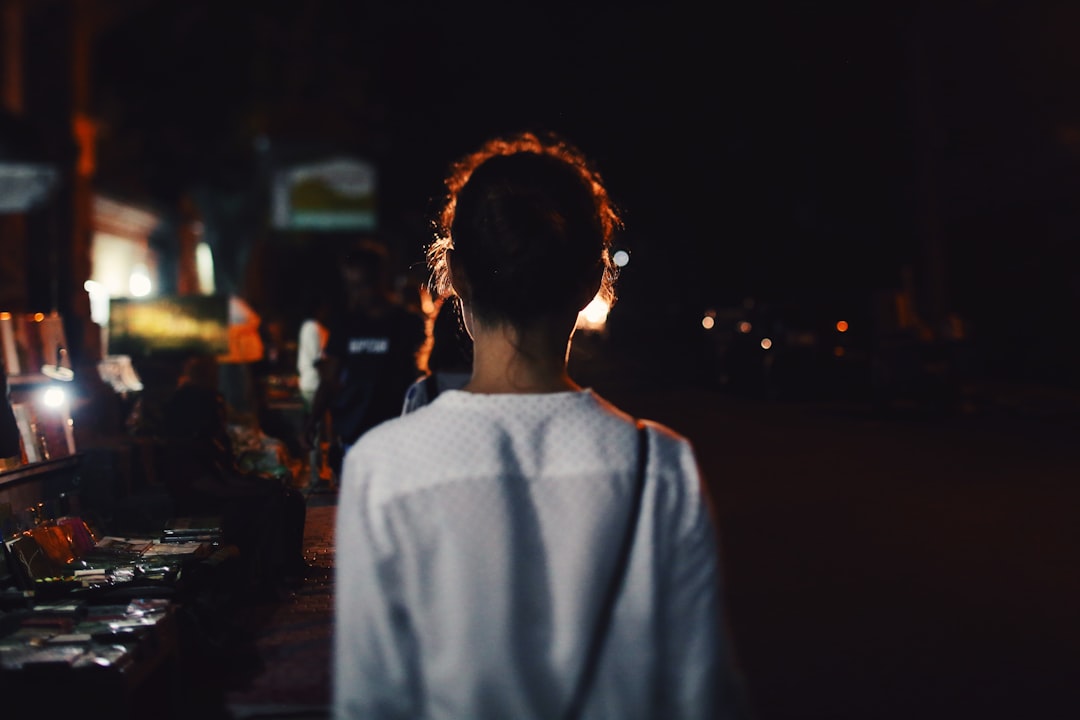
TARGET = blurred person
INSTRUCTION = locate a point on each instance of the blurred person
(275, 376)
(263, 516)
(483, 529)
(370, 357)
(448, 358)
(236, 367)
(311, 340)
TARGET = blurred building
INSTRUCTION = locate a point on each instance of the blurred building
(46, 233)
(69, 244)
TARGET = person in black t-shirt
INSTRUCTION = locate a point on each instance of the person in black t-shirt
(370, 357)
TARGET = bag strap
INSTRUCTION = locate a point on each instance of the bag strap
(432, 387)
(603, 620)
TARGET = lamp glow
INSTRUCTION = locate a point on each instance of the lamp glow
(54, 397)
(204, 267)
(139, 282)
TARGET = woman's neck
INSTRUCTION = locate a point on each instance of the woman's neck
(506, 361)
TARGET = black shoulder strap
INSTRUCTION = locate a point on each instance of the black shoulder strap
(432, 387)
(603, 619)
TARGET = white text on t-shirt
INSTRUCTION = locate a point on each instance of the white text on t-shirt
(369, 346)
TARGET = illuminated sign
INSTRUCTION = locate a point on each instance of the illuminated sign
(334, 195)
(189, 323)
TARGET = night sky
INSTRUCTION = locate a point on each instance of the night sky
(800, 152)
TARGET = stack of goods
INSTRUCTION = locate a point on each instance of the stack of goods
(51, 557)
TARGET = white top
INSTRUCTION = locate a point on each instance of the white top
(309, 347)
(475, 538)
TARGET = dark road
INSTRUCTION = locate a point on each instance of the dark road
(883, 568)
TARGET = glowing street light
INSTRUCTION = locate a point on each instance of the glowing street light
(139, 282)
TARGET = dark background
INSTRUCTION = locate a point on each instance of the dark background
(799, 152)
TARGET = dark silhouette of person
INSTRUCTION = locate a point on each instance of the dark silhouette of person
(263, 516)
(370, 357)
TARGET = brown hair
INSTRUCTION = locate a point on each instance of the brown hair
(531, 225)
